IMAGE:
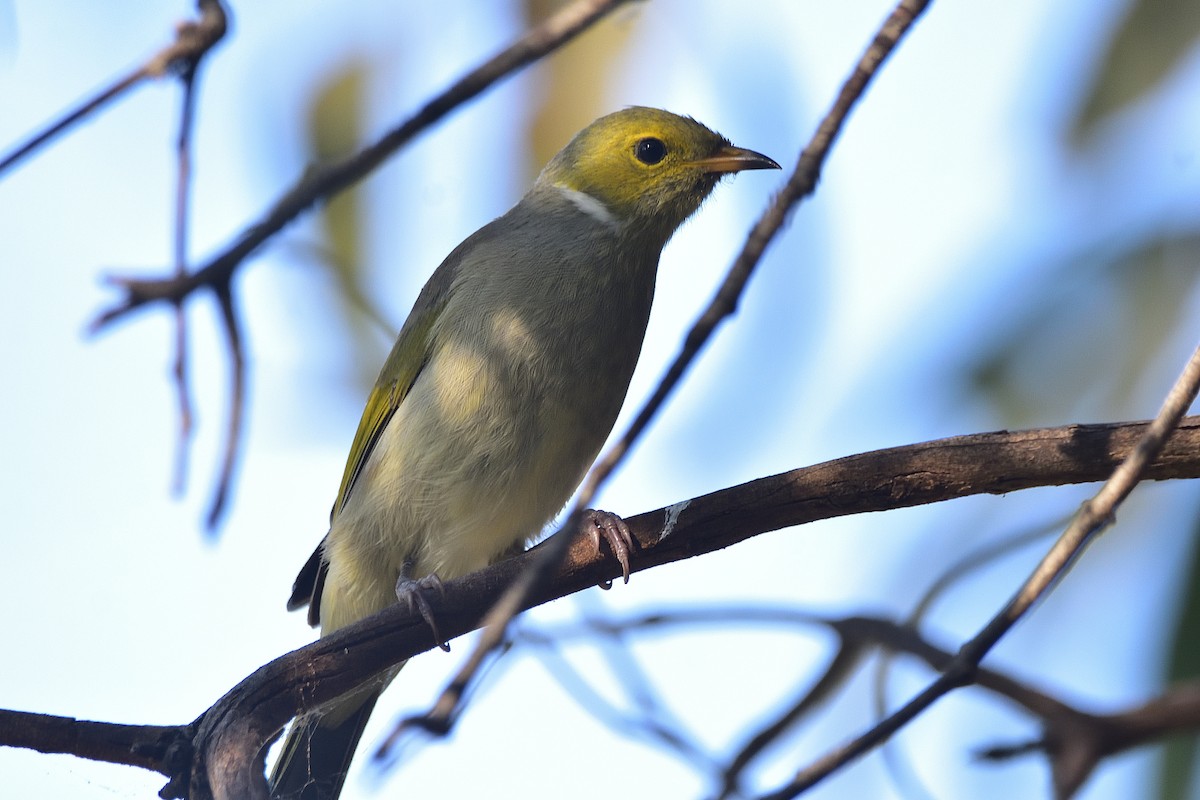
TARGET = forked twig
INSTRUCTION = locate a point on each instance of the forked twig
(1092, 518)
(322, 182)
(193, 39)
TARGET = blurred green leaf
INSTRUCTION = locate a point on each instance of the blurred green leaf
(572, 83)
(1082, 346)
(1146, 47)
(335, 129)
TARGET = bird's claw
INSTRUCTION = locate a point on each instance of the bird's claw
(411, 592)
(615, 531)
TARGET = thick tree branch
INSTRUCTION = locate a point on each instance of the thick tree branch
(153, 747)
(231, 735)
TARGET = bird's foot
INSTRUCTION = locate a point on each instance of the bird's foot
(411, 591)
(613, 529)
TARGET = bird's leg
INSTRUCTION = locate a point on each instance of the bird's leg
(613, 529)
(411, 592)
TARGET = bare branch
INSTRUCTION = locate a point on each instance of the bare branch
(237, 404)
(183, 182)
(322, 182)
(153, 747)
(193, 40)
(230, 737)
(1095, 515)
(995, 463)
(801, 184)
(1075, 741)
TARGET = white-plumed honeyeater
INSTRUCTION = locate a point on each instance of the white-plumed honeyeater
(504, 383)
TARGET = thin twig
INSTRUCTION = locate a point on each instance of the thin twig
(911, 784)
(84, 109)
(849, 655)
(1093, 517)
(322, 182)
(183, 183)
(645, 716)
(193, 39)
(237, 403)
(801, 184)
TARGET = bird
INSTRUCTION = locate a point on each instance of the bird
(503, 384)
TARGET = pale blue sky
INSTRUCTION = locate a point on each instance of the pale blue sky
(940, 203)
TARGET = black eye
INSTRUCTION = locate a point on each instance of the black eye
(650, 150)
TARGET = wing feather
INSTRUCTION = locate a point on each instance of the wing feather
(409, 355)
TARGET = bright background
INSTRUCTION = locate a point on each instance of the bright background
(977, 256)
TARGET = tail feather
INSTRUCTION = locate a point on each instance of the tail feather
(317, 752)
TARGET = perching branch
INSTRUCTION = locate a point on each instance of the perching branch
(230, 737)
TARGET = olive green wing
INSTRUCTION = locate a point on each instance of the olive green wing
(409, 355)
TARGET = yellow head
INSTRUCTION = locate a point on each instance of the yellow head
(651, 169)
